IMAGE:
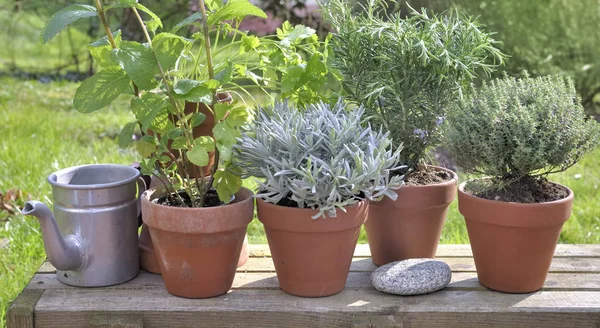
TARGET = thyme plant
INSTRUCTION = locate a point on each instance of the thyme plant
(320, 158)
(407, 71)
(513, 129)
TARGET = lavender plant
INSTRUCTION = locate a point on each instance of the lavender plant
(513, 129)
(320, 158)
(407, 71)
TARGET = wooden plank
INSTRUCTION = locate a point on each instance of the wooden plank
(457, 250)
(20, 312)
(116, 321)
(457, 264)
(356, 280)
(71, 308)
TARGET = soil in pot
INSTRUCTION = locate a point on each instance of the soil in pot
(525, 190)
(410, 227)
(312, 257)
(513, 243)
(198, 249)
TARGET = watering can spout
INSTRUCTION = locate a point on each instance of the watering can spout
(65, 253)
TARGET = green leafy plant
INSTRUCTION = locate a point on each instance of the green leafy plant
(319, 158)
(193, 70)
(513, 129)
(407, 71)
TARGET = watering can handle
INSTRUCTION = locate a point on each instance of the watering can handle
(143, 184)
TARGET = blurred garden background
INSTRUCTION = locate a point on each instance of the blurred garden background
(40, 131)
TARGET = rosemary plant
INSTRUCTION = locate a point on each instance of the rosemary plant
(320, 158)
(407, 71)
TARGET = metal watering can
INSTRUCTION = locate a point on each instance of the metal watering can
(92, 238)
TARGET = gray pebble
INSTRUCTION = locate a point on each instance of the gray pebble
(412, 277)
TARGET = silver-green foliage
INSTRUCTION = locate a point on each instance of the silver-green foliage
(321, 158)
(406, 71)
(511, 128)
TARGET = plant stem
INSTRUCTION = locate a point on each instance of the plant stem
(111, 40)
(209, 60)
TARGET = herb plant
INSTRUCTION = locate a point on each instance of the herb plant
(517, 129)
(320, 158)
(407, 71)
(192, 70)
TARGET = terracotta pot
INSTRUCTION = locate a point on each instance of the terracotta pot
(513, 243)
(198, 249)
(312, 257)
(409, 227)
(148, 260)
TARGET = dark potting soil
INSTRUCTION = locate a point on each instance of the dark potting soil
(526, 190)
(288, 202)
(211, 199)
(426, 176)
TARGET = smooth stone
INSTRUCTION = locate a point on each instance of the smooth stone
(412, 277)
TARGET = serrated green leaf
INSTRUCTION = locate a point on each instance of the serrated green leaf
(184, 86)
(212, 84)
(139, 63)
(200, 94)
(225, 134)
(237, 117)
(145, 148)
(235, 9)
(197, 119)
(168, 48)
(227, 184)
(292, 79)
(100, 90)
(64, 18)
(220, 110)
(249, 43)
(162, 122)
(101, 50)
(179, 143)
(155, 22)
(299, 33)
(206, 142)
(198, 156)
(225, 152)
(193, 19)
(125, 137)
(147, 107)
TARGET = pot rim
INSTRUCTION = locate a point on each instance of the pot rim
(453, 180)
(147, 197)
(567, 199)
(53, 177)
(306, 209)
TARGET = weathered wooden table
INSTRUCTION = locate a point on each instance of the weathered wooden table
(570, 298)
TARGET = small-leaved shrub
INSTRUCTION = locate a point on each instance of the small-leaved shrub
(320, 158)
(407, 71)
(513, 128)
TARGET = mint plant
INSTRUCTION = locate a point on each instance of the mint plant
(407, 71)
(319, 158)
(168, 70)
(514, 130)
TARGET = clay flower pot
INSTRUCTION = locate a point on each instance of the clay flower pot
(409, 227)
(513, 243)
(198, 249)
(312, 257)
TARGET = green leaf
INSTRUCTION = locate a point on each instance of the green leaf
(235, 9)
(184, 86)
(139, 63)
(64, 18)
(155, 22)
(292, 79)
(168, 48)
(162, 122)
(147, 107)
(198, 155)
(299, 33)
(179, 143)
(220, 110)
(249, 43)
(206, 142)
(237, 117)
(224, 75)
(199, 94)
(227, 182)
(193, 19)
(146, 146)
(101, 50)
(100, 90)
(197, 119)
(225, 134)
(125, 138)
